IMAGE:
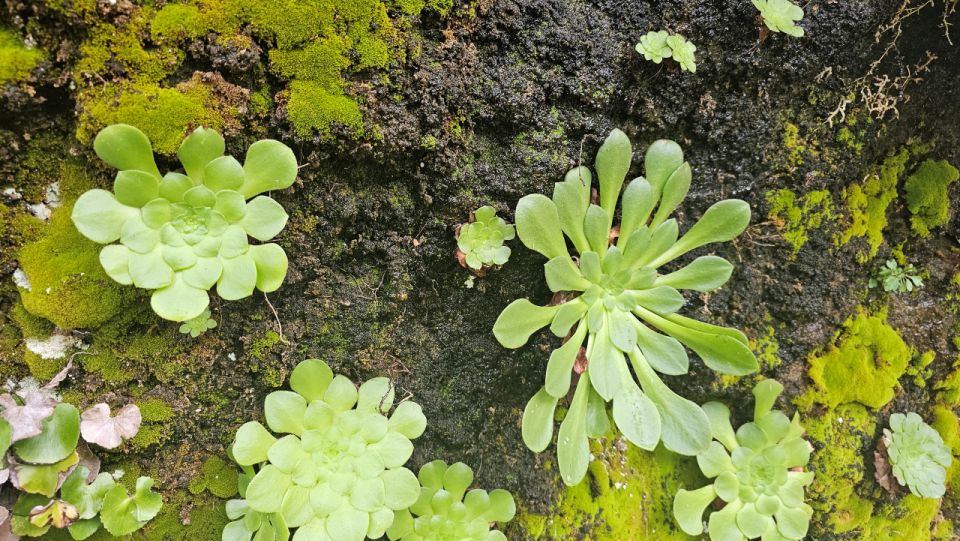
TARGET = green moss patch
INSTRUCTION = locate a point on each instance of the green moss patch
(866, 203)
(218, 477)
(16, 59)
(926, 192)
(868, 352)
(627, 494)
(797, 218)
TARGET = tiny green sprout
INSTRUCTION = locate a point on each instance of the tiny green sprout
(181, 234)
(337, 472)
(893, 277)
(755, 476)
(655, 46)
(480, 242)
(55, 485)
(781, 16)
(198, 325)
(611, 300)
(445, 510)
(917, 454)
(683, 52)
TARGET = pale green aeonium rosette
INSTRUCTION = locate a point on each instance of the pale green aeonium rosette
(612, 300)
(337, 474)
(757, 473)
(181, 234)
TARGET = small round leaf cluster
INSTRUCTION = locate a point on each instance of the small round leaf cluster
(445, 510)
(337, 473)
(757, 474)
(480, 242)
(181, 234)
(917, 454)
(781, 16)
(198, 325)
(655, 46)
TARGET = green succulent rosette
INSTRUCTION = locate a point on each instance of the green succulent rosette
(918, 456)
(445, 510)
(653, 46)
(181, 234)
(615, 307)
(781, 16)
(337, 472)
(757, 476)
(481, 241)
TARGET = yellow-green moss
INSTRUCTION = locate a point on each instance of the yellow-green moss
(165, 115)
(16, 59)
(926, 193)
(867, 202)
(839, 437)
(67, 284)
(216, 476)
(868, 352)
(627, 494)
(910, 519)
(794, 144)
(109, 47)
(796, 221)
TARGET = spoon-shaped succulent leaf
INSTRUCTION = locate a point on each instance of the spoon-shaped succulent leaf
(614, 299)
(753, 473)
(338, 472)
(182, 234)
(125, 147)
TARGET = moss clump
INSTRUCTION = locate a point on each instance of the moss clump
(839, 437)
(153, 430)
(628, 494)
(16, 60)
(870, 353)
(67, 284)
(910, 519)
(186, 516)
(316, 43)
(927, 199)
(796, 220)
(867, 203)
(165, 115)
(218, 477)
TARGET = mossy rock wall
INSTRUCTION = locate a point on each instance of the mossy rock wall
(407, 115)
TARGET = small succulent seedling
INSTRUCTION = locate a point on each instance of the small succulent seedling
(917, 455)
(337, 473)
(480, 241)
(181, 234)
(44, 456)
(780, 16)
(611, 300)
(757, 476)
(198, 325)
(445, 510)
(655, 46)
(893, 277)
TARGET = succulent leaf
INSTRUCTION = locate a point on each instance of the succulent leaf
(917, 454)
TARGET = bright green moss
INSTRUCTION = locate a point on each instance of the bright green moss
(216, 476)
(839, 437)
(313, 108)
(796, 220)
(16, 59)
(867, 202)
(910, 519)
(627, 495)
(165, 115)
(67, 284)
(868, 352)
(949, 387)
(185, 516)
(794, 144)
(177, 22)
(927, 198)
(109, 47)
(320, 62)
